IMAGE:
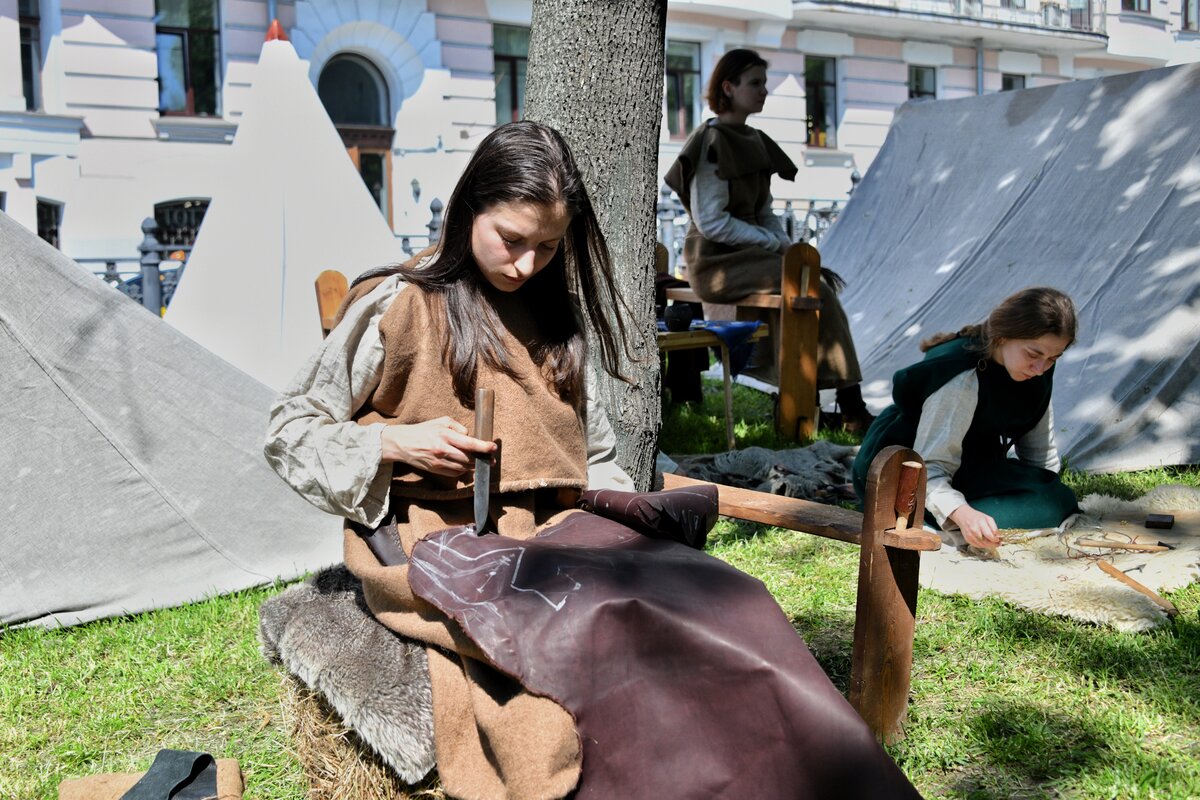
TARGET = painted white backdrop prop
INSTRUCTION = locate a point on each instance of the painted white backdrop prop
(292, 205)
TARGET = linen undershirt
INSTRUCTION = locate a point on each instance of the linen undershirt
(946, 416)
(710, 212)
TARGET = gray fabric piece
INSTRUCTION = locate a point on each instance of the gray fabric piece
(322, 632)
(1091, 186)
(818, 472)
(131, 456)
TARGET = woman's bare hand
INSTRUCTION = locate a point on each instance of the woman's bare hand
(977, 528)
(440, 446)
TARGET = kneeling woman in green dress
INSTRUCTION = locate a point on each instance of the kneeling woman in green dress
(975, 395)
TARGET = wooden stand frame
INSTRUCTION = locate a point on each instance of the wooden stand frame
(799, 308)
(889, 552)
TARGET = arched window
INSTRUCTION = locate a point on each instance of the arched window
(353, 92)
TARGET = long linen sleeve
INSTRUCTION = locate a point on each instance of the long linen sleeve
(710, 212)
(1038, 448)
(312, 441)
(603, 470)
(945, 418)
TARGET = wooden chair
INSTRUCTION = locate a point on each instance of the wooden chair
(331, 288)
(799, 308)
(888, 564)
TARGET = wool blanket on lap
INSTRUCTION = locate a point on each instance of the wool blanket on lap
(684, 677)
(1051, 572)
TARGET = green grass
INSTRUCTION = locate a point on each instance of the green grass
(1005, 703)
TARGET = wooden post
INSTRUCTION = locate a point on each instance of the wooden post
(798, 326)
(881, 669)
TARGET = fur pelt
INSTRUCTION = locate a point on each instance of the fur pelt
(1046, 571)
(819, 472)
(321, 631)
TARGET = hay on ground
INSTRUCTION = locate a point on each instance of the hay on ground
(337, 764)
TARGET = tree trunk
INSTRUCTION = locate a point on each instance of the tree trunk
(596, 75)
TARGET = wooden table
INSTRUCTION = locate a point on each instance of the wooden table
(690, 340)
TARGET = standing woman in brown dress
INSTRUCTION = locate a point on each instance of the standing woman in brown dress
(735, 240)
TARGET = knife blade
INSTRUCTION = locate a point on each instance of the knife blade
(484, 407)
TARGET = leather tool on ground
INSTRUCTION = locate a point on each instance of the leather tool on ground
(485, 400)
(1147, 547)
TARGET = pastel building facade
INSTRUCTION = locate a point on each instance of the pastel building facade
(115, 110)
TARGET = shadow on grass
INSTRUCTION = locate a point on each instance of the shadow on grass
(1022, 751)
(1159, 666)
(830, 638)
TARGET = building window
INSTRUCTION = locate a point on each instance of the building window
(1010, 82)
(922, 82)
(1142, 6)
(820, 90)
(1081, 14)
(353, 92)
(683, 87)
(29, 15)
(49, 218)
(510, 48)
(1012, 3)
(1191, 15)
(187, 40)
(179, 220)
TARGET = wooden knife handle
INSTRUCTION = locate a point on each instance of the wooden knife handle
(485, 406)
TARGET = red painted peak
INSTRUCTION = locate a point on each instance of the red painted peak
(276, 32)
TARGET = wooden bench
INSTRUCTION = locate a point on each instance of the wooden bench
(888, 564)
(799, 308)
(690, 340)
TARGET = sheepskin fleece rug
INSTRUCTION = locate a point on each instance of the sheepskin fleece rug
(1048, 572)
(819, 472)
(321, 631)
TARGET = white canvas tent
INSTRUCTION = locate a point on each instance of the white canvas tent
(1091, 186)
(291, 206)
(133, 474)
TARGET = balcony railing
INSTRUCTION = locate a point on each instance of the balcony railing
(1059, 15)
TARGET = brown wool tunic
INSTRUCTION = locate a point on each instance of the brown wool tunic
(493, 739)
(746, 158)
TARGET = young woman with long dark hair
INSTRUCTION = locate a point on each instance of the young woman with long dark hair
(568, 653)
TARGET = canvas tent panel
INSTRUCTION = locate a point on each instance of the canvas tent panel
(293, 206)
(1091, 186)
(137, 476)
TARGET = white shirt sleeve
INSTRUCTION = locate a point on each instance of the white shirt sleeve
(603, 470)
(312, 440)
(773, 224)
(710, 211)
(1037, 448)
(945, 419)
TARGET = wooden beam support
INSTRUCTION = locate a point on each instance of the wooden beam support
(886, 610)
(797, 418)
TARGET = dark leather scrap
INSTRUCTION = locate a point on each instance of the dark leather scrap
(684, 515)
(684, 676)
(180, 774)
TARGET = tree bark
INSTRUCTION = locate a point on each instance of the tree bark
(596, 75)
